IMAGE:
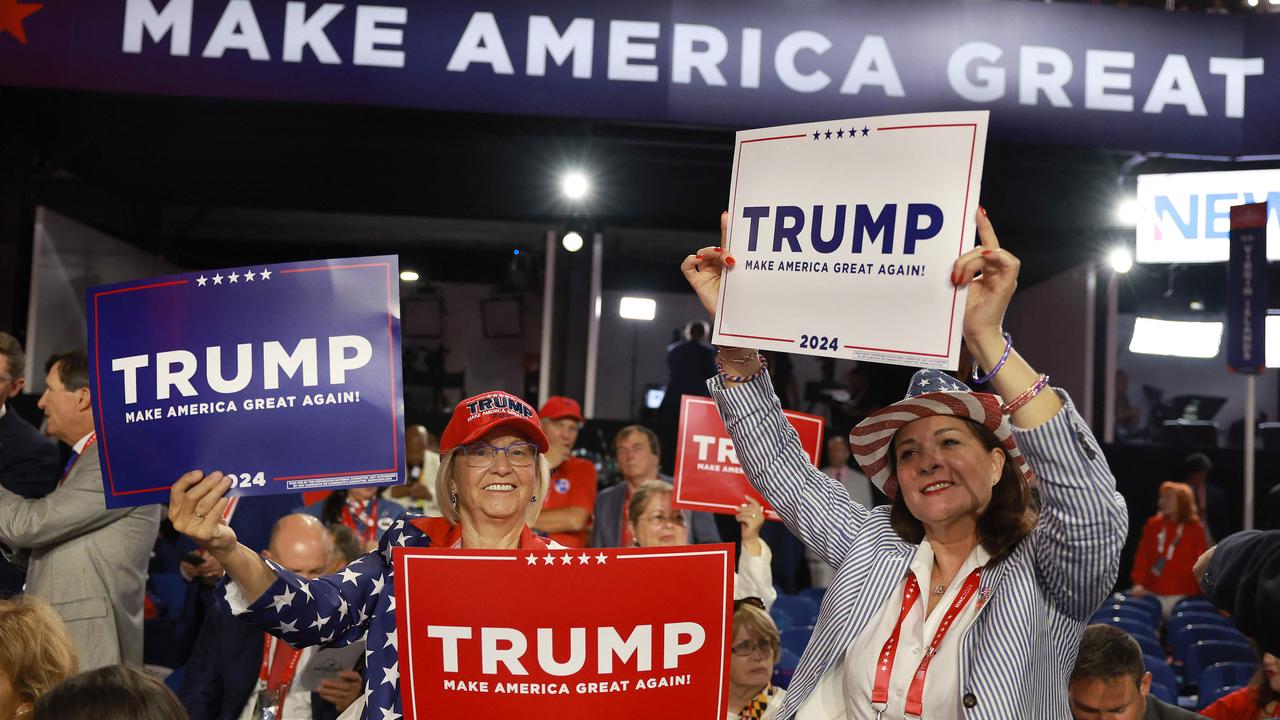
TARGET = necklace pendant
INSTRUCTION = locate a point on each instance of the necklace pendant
(939, 589)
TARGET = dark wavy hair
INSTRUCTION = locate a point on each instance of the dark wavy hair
(119, 692)
(1009, 517)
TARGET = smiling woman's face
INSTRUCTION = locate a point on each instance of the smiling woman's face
(496, 489)
(944, 471)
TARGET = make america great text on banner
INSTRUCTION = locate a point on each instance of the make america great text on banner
(845, 233)
(618, 633)
(285, 377)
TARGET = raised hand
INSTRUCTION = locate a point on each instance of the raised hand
(704, 269)
(196, 503)
(992, 289)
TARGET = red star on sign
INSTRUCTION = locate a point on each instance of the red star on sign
(11, 16)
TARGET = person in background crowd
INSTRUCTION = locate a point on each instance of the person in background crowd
(836, 451)
(1128, 415)
(689, 362)
(422, 458)
(346, 546)
(1110, 682)
(637, 450)
(1242, 576)
(1211, 502)
(362, 509)
(654, 523)
(1255, 701)
(234, 663)
(993, 596)
(494, 478)
(1171, 542)
(88, 562)
(118, 692)
(36, 654)
(756, 648)
(28, 460)
(566, 515)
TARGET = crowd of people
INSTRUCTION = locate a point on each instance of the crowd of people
(965, 539)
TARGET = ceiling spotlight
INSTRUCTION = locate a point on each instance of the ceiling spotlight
(1121, 260)
(638, 308)
(409, 275)
(1253, 3)
(1197, 305)
(575, 185)
(572, 241)
(1128, 212)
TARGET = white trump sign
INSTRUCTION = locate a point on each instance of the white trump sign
(1185, 217)
(844, 234)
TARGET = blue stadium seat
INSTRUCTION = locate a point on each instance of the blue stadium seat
(1194, 604)
(1161, 691)
(1180, 638)
(815, 594)
(1227, 674)
(796, 638)
(780, 618)
(174, 679)
(1205, 653)
(1151, 609)
(1147, 601)
(1160, 672)
(1129, 625)
(1137, 613)
(1150, 646)
(801, 609)
(1209, 698)
(1198, 617)
(785, 668)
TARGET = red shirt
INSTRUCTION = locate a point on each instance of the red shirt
(1176, 578)
(1241, 704)
(573, 484)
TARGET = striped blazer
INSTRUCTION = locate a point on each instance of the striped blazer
(1018, 654)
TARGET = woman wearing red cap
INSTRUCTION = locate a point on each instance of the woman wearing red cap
(492, 481)
(957, 600)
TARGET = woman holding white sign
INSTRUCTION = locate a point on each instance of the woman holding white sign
(957, 599)
(493, 478)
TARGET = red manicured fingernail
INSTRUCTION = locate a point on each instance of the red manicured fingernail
(699, 257)
(986, 253)
(730, 261)
(982, 210)
(953, 278)
(719, 249)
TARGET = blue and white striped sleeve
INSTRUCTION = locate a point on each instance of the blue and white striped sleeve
(814, 507)
(1083, 520)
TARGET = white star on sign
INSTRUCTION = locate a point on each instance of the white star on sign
(391, 640)
(266, 274)
(249, 276)
(532, 559)
(377, 584)
(280, 601)
(286, 627)
(601, 558)
(548, 560)
(233, 277)
(389, 714)
(217, 279)
(583, 559)
(200, 281)
(400, 540)
(566, 559)
(391, 674)
(349, 576)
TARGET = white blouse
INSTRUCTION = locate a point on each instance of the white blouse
(942, 684)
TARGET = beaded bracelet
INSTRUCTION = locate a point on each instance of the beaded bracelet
(1008, 345)
(1027, 396)
(764, 365)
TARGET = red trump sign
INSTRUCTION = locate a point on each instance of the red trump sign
(572, 634)
(708, 476)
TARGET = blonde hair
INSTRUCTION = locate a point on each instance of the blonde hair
(444, 488)
(36, 651)
(640, 498)
(758, 623)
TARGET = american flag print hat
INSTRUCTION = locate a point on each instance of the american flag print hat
(931, 392)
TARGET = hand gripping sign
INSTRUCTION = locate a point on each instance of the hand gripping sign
(845, 232)
(708, 475)
(285, 377)
(570, 634)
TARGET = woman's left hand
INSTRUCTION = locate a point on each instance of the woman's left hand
(991, 291)
(751, 517)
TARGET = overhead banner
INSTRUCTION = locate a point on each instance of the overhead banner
(285, 377)
(1063, 73)
(845, 234)
(1186, 217)
(618, 633)
(1247, 289)
(708, 475)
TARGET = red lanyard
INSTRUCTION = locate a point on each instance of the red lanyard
(884, 670)
(93, 438)
(278, 675)
(370, 531)
(1160, 540)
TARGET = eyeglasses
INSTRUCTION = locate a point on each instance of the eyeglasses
(656, 518)
(747, 648)
(482, 455)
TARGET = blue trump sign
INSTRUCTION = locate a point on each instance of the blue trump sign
(285, 377)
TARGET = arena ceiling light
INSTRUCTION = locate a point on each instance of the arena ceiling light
(1128, 212)
(575, 185)
(1176, 338)
(409, 275)
(1121, 260)
(638, 308)
(572, 241)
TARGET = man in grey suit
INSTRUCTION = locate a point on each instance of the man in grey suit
(88, 562)
(637, 450)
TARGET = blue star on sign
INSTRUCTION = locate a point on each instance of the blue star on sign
(853, 132)
(840, 133)
(816, 134)
(828, 135)
(865, 130)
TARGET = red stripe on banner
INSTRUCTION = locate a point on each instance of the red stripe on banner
(141, 287)
(332, 267)
(757, 337)
(776, 137)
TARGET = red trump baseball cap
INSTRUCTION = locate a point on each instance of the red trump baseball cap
(476, 416)
(559, 406)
